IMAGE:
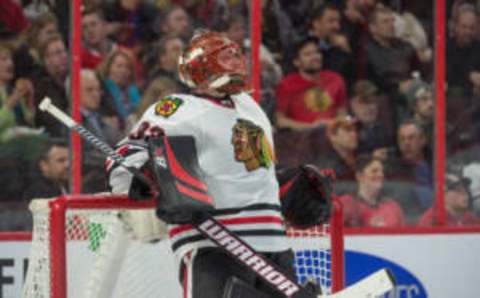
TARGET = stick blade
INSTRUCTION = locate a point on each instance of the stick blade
(374, 285)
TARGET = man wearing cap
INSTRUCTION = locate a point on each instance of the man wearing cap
(310, 97)
(341, 152)
(373, 134)
(457, 203)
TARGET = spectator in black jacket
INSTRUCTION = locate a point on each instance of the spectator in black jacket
(53, 164)
(175, 21)
(375, 133)
(422, 107)
(92, 161)
(390, 61)
(167, 50)
(409, 171)
(131, 21)
(463, 61)
(335, 46)
(54, 57)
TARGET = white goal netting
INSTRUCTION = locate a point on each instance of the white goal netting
(81, 248)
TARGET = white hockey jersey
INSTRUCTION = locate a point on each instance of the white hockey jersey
(235, 151)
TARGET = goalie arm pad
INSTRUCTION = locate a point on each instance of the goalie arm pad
(305, 194)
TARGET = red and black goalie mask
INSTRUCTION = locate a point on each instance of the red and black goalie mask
(213, 62)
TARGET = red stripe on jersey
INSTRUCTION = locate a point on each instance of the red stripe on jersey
(194, 194)
(179, 172)
(232, 221)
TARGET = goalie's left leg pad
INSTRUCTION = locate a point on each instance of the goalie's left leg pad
(237, 288)
(206, 273)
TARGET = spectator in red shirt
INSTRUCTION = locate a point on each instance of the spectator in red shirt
(457, 203)
(310, 97)
(370, 205)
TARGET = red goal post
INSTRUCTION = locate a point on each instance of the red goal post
(82, 248)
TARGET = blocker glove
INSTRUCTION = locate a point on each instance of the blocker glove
(306, 195)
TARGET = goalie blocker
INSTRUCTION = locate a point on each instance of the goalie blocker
(305, 194)
(173, 165)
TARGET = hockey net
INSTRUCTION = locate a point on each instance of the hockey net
(82, 248)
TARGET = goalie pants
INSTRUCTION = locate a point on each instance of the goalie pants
(205, 273)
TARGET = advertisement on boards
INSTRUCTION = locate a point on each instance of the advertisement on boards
(425, 265)
(408, 285)
(13, 267)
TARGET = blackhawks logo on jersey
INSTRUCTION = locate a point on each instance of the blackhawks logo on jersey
(167, 106)
(251, 146)
(317, 100)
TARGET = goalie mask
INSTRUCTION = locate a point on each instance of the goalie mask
(213, 62)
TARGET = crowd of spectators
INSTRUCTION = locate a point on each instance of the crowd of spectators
(347, 85)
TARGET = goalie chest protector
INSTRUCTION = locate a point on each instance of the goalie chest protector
(235, 151)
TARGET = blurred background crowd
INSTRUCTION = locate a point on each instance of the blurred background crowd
(347, 85)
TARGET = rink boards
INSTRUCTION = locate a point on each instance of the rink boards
(427, 265)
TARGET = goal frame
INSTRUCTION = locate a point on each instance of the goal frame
(57, 237)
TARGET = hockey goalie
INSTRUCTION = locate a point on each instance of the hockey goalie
(211, 151)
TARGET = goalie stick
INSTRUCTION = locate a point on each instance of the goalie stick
(373, 285)
(211, 228)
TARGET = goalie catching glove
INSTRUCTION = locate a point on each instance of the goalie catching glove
(305, 194)
(171, 163)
